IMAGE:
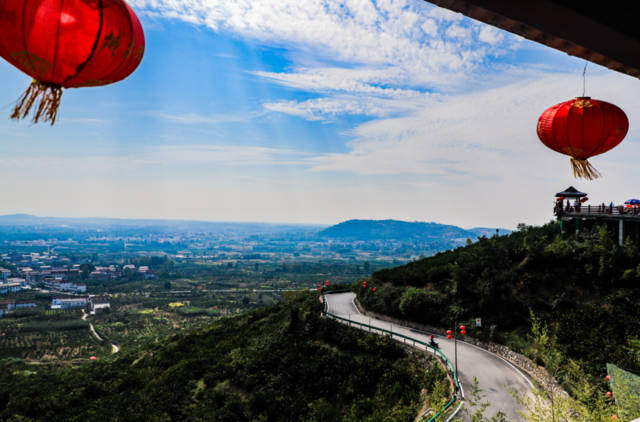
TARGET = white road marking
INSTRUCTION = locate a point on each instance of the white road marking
(457, 410)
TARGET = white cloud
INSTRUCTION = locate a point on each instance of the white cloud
(192, 118)
(488, 134)
(459, 32)
(430, 27)
(490, 35)
(386, 47)
(321, 108)
(175, 156)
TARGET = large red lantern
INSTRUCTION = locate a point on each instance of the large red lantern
(67, 44)
(581, 128)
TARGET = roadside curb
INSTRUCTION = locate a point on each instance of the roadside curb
(529, 369)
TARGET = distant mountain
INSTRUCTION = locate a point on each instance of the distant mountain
(396, 230)
(488, 232)
(27, 220)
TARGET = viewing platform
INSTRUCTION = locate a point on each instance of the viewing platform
(627, 217)
(617, 212)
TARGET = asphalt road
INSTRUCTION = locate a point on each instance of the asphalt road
(496, 377)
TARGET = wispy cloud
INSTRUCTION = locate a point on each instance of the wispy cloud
(466, 136)
(394, 49)
(191, 119)
(337, 105)
(168, 156)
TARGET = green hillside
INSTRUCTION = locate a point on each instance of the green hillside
(281, 363)
(395, 229)
(585, 288)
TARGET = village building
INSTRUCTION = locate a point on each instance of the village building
(8, 306)
(99, 302)
(4, 274)
(12, 285)
(146, 272)
(104, 273)
(68, 303)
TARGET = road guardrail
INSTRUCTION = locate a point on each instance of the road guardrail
(415, 341)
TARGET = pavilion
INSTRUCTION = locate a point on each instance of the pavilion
(626, 219)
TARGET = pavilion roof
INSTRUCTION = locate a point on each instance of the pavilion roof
(571, 192)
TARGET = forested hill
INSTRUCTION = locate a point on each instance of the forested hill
(399, 230)
(282, 363)
(585, 288)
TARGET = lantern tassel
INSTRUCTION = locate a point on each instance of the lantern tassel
(48, 99)
(583, 169)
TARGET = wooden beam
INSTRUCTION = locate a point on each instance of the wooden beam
(559, 27)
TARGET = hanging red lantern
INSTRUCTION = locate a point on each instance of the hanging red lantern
(364, 284)
(375, 289)
(462, 327)
(67, 44)
(449, 332)
(609, 394)
(449, 336)
(614, 417)
(326, 283)
(581, 128)
(463, 332)
(607, 378)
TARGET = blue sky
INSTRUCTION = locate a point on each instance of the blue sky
(316, 112)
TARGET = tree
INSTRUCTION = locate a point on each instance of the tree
(476, 407)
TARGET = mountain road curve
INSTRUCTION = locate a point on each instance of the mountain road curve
(496, 377)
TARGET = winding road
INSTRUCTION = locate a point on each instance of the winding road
(496, 377)
(114, 347)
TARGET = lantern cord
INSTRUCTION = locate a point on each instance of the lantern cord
(48, 102)
(582, 169)
(584, 72)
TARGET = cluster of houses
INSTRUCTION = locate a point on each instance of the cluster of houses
(45, 271)
(110, 272)
(10, 284)
(62, 279)
(95, 303)
(8, 306)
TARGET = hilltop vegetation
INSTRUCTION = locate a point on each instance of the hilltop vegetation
(280, 363)
(393, 229)
(585, 288)
(416, 237)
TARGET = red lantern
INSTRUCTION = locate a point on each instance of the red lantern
(326, 283)
(581, 128)
(609, 394)
(607, 378)
(463, 332)
(462, 328)
(364, 284)
(67, 44)
(449, 332)
(93, 358)
(614, 417)
(375, 289)
(449, 336)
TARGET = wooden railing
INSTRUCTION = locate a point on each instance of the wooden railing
(617, 211)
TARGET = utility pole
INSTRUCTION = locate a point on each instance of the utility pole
(455, 343)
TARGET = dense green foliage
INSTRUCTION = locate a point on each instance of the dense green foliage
(46, 335)
(284, 362)
(584, 287)
(394, 229)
